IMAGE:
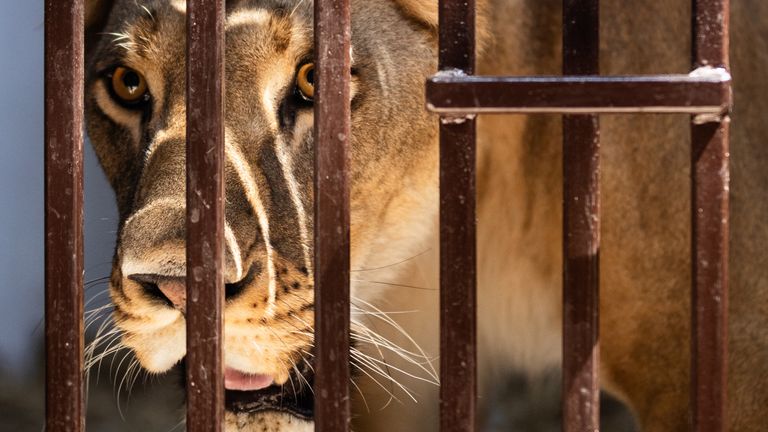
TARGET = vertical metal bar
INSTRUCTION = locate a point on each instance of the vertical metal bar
(332, 241)
(64, 215)
(205, 214)
(458, 222)
(710, 182)
(581, 228)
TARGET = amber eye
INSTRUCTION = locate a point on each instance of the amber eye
(305, 81)
(128, 85)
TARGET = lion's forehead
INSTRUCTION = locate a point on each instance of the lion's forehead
(256, 32)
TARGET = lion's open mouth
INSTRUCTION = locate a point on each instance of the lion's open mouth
(295, 397)
(298, 402)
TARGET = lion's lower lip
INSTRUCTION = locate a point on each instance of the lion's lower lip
(241, 381)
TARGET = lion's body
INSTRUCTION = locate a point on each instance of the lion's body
(645, 265)
(645, 250)
(645, 253)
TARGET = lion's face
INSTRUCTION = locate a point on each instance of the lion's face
(136, 121)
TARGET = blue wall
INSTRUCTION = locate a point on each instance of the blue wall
(21, 192)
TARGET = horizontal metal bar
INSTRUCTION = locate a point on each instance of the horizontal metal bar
(705, 92)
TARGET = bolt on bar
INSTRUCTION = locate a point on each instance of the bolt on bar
(64, 389)
(332, 135)
(205, 214)
(709, 256)
(581, 228)
(458, 221)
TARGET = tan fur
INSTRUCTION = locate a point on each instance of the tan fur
(424, 10)
(645, 268)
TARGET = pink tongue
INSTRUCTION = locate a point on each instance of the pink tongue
(236, 380)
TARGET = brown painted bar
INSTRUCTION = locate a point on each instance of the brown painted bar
(64, 384)
(449, 93)
(332, 137)
(458, 255)
(581, 228)
(710, 182)
(205, 214)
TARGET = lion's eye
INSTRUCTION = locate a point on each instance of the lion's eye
(129, 86)
(305, 81)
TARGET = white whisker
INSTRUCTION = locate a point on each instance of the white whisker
(394, 284)
(373, 367)
(384, 317)
(295, 8)
(390, 265)
(383, 363)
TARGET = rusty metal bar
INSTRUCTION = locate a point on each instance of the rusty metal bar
(458, 255)
(710, 182)
(581, 228)
(64, 384)
(706, 93)
(332, 136)
(205, 214)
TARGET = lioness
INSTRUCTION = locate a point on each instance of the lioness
(136, 121)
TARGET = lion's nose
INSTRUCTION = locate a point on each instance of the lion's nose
(176, 292)
(173, 290)
(153, 241)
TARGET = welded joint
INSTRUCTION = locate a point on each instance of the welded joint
(719, 74)
(450, 119)
(700, 119)
(447, 75)
(711, 73)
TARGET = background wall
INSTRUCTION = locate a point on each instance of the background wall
(21, 191)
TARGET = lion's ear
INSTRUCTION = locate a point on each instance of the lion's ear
(424, 11)
(96, 15)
